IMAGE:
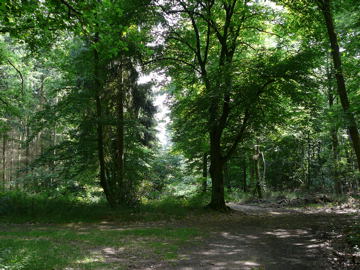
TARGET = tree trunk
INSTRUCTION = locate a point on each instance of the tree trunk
(205, 172)
(217, 180)
(263, 176)
(258, 190)
(257, 173)
(340, 80)
(217, 174)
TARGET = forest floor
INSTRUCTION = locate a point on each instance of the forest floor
(253, 236)
(258, 236)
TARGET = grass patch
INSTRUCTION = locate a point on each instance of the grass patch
(21, 253)
(49, 248)
(81, 245)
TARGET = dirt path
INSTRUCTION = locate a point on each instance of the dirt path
(257, 237)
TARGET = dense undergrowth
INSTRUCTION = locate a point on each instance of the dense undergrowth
(16, 207)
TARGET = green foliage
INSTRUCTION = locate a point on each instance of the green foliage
(65, 83)
(262, 77)
(16, 254)
(20, 207)
(16, 207)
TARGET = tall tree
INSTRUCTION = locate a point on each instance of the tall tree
(219, 42)
(109, 38)
(309, 20)
(326, 8)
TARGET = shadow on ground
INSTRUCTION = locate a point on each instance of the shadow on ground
(263, 238)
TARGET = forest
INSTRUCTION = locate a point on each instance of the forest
(133, 133)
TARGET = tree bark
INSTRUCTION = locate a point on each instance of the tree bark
(217, 174)
(226, 177)
(340, 80)
(257, 172)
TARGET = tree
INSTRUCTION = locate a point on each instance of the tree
(105, 83)
(326, 9)
(219, 43)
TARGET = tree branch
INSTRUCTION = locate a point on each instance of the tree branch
(239, 136)
(182, 41)
(21, 76)
(225, 113)
(70, 7)
(196, 31)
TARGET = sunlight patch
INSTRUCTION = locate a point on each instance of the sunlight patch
(90, 260)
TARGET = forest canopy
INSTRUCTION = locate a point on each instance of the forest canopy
(262, 97)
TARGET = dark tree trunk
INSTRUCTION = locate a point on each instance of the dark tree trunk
(217, 173)
(205, 172)
(217, 179)
(341, 87)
